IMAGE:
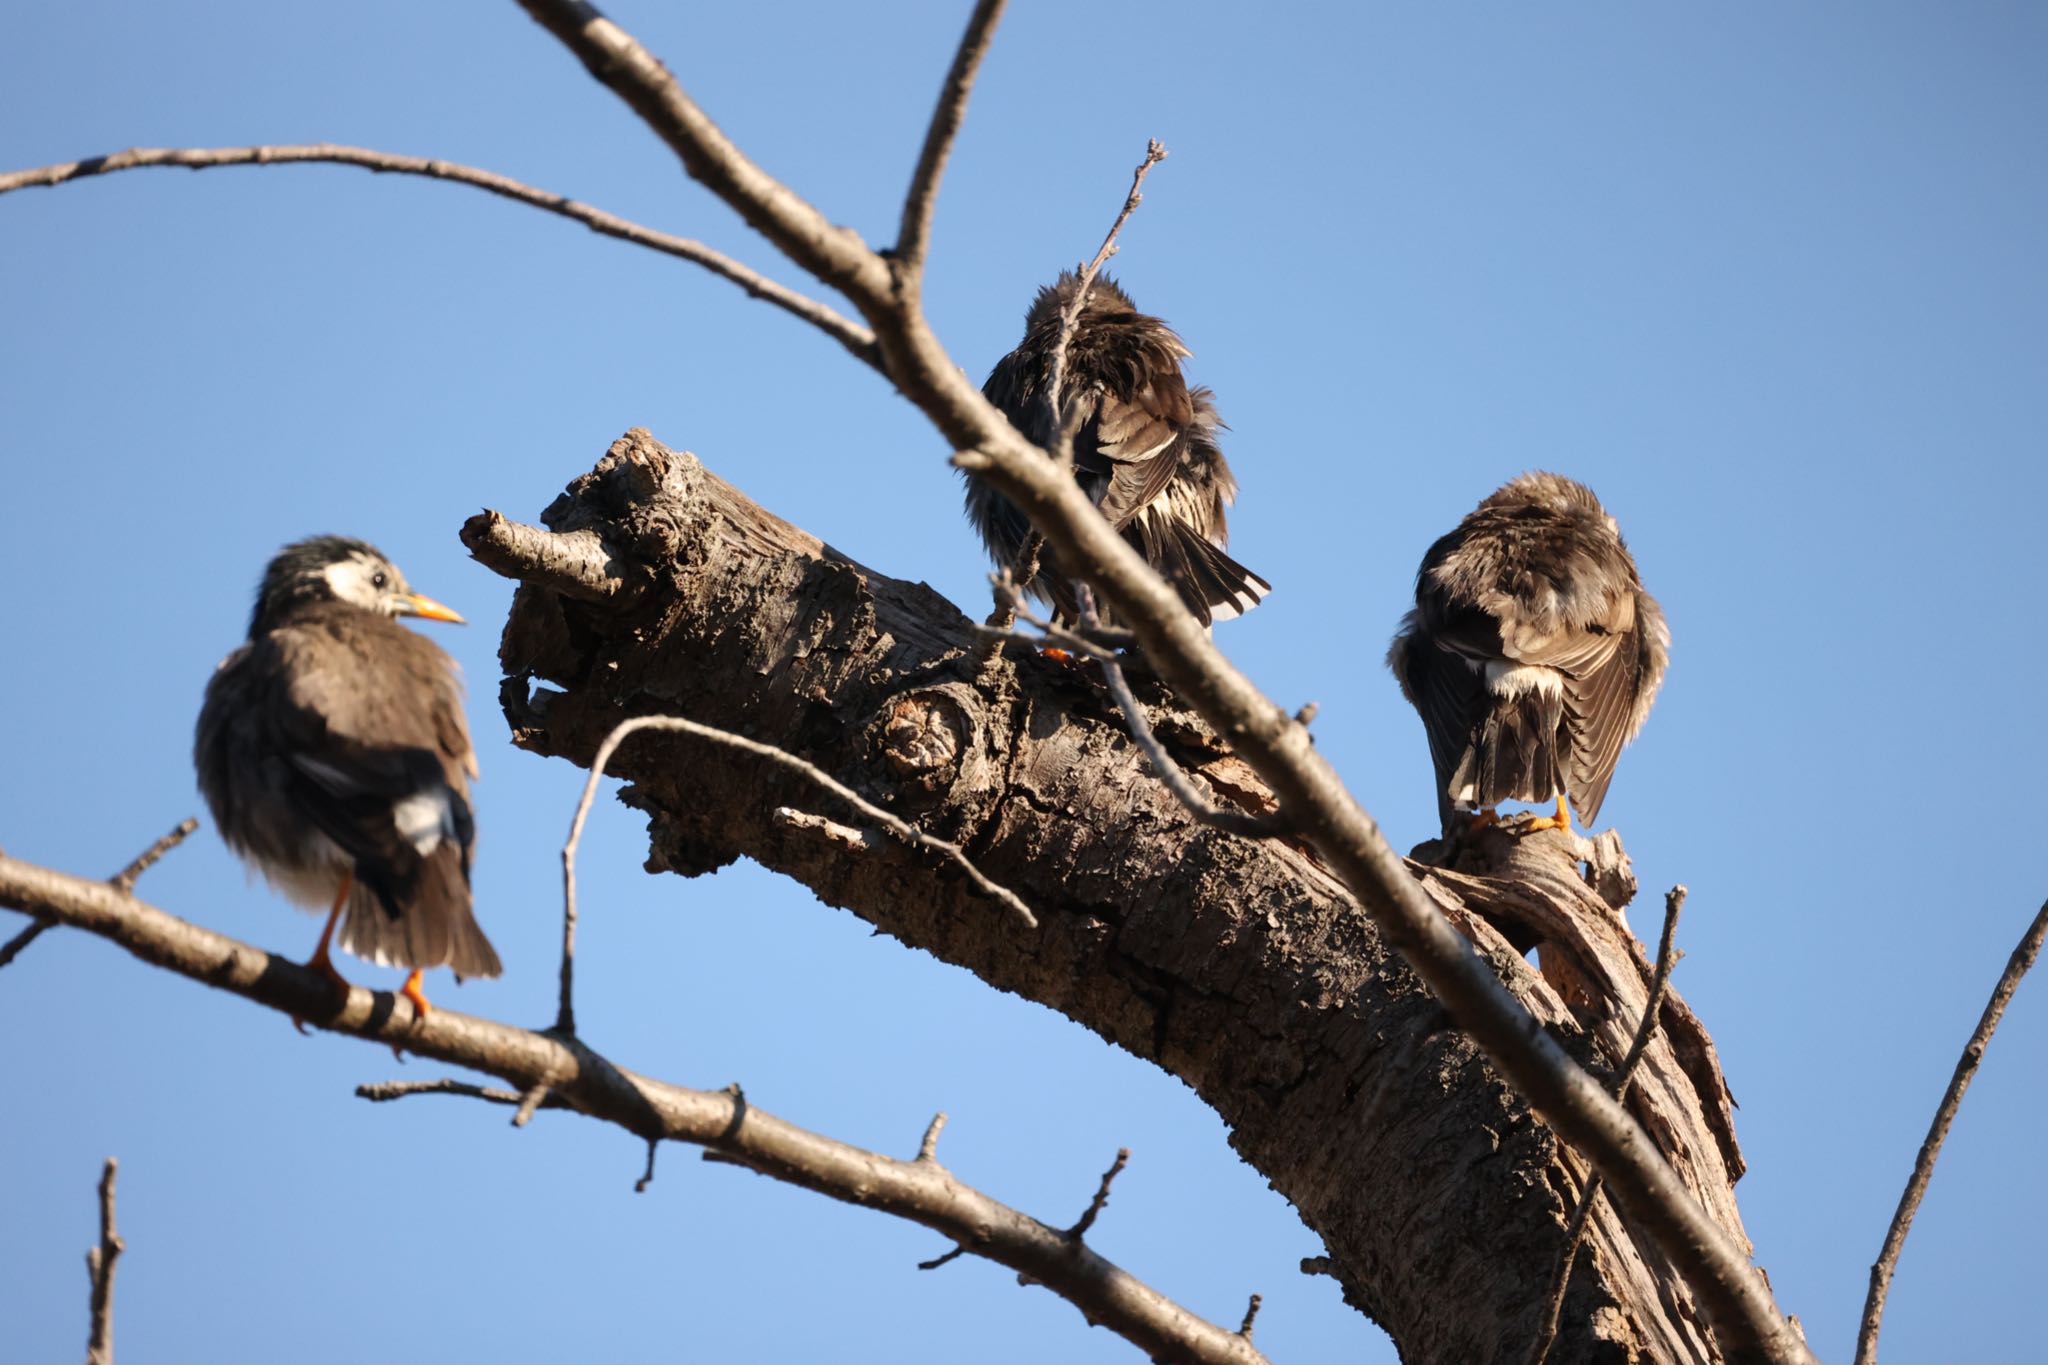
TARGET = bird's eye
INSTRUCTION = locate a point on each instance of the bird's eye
(379, 579)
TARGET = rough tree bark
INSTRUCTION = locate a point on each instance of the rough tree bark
(1239, 966)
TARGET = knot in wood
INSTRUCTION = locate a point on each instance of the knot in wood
(922, 737)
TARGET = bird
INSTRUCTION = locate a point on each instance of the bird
(333, 752)
(1144, 451)
(1532, 653)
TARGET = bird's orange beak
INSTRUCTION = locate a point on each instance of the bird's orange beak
(414, 604)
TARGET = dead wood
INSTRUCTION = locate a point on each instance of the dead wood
(1238, 965)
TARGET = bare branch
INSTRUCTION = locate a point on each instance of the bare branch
(928, 1149)
(572, 563)
(17, 945)
(616, 59)
(99, 1266)
(914, 237)
(1101, 1199)
(1646, 1029)
(855, 338)
(946, 1259)
(383, 1092)
(1251, 1315)
(2016, 967)
(536, 1095)
(1009, 587)
(895, 824)
(1067, 417)
(724, 1122)
(1201, 807)
(125, 879)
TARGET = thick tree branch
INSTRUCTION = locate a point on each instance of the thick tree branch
(2016, 967)
(1263, 734)
(1575, 1228)
(99, 1267)
(848, 333)
(923, 1192)
(1239, 966)
(913, 239)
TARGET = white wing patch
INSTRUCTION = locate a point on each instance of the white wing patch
(1506, 680)
(425, 819)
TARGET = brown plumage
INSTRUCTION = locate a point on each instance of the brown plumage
(1533, 653)
(1145, 452)
(334, 755)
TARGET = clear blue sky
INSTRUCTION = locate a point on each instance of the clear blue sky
(1770, 278)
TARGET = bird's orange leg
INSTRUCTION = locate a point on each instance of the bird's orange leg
(1562, 820)
(320, 961)
(1482, 819)
(411, 991)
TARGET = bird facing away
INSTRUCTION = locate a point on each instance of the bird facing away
(1145, 450)
(1533, 653)
(334, 755)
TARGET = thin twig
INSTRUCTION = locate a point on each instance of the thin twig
(19, 943)
(913, 239)
(1646, 1029)
(2016, 967)
(125, 879)
(1201, 807)
(1064, 414)
(382, 1092)
(928, 1149)
(1098, 641)
(99, 1266)
(1251, 1315)
(895, 824)
(935, 1262)
(848, 333)
(1012, 583)
(647, 1176)
(536, 1095)
(1095, 1205)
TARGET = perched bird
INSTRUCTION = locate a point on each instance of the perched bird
(333, 752)
(1533, 653)
(1145, 449)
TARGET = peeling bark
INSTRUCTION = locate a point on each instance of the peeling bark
(1239, 966)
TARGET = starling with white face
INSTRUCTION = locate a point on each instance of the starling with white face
(333, 752)
(1533, 653)
(1145, 450)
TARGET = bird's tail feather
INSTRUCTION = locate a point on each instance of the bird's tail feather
(1215, 586)
(1516, 749)
(436, 928)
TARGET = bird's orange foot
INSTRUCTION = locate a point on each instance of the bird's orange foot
(320, 962)
(411, 991)
(1482, 819)
(1056, 654)
(1562, 820)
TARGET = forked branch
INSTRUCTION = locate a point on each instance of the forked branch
(923, 1191)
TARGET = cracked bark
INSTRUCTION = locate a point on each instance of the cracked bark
(1238, 966)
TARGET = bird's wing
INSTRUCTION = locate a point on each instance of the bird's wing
(374, 754)
(1138, 440)
(1447, 693)
(1601, 664)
